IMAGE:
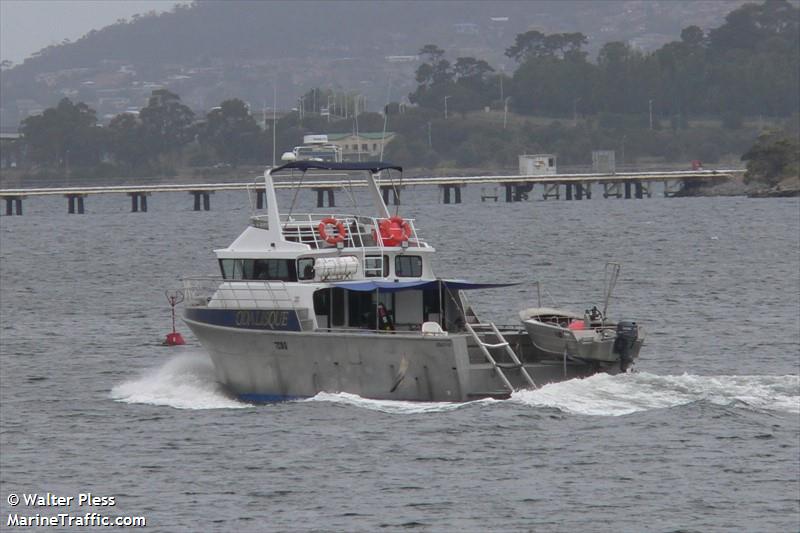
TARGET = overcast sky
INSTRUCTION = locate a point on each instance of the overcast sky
(27, 26)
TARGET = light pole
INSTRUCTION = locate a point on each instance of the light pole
(273, 130)
(650, 106)
(575, 111)
(430, 142)
(445, 107)
(505, 111)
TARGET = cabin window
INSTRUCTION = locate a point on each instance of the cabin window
(337, 307)
(259, 269)
(322, 307)
(365, 147)
(305, 268)
(361, 309)
(226, 265)
(376, 266)
(408, 266)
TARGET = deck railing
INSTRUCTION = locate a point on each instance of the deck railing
(362, 231)
(214, 291)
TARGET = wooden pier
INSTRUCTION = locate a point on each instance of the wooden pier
(517, 188)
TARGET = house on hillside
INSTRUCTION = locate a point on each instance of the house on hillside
(12, 150)
(363, 146)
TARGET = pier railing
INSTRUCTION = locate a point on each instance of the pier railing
(576, 185)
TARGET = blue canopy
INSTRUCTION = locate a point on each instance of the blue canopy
(394, 286)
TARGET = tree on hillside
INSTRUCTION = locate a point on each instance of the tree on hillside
(434, 77)
(554, 76)
(774, 156)
(622, 77)
(775, 23)
(472, 72)
(436, 70)
(64, 136)
(166, 122)
(466, 85)
(232, 132)
(537, 44)
(127, 141)
(693, 36)
(680, 72)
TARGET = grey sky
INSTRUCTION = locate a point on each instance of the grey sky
(27, 26)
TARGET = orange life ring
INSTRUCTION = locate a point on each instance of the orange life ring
(322, 229)
(394, 230)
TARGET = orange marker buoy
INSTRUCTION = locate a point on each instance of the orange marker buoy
(174, 338)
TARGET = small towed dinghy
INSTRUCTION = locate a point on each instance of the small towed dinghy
(588, 337)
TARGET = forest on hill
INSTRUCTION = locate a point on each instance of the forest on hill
(210, 51)
(693, 98)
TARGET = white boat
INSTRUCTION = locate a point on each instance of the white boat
(588, 337)
(349, 302)
(555, 332)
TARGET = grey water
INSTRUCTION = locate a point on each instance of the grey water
(704, 436)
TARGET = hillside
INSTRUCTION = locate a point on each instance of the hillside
(211, 51)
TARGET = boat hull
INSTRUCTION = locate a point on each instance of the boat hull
(551, 340)
(265, 365)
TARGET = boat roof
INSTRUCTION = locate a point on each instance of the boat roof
(535, 312)
(393, 286)
(372, 166)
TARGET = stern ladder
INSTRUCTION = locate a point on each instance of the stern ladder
(480, 332)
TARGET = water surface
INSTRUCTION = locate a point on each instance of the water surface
(703, 437)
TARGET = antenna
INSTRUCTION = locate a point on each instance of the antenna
(274, 118)
(609, 281)
(386, 116)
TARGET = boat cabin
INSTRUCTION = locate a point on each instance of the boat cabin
(339, 270)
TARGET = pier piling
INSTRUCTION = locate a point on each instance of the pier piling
(551, 190)
(75, 204)
(321, 197)
(395, 194)
(517, 192)
(612, 189)
(13, 204)
(138, 201)
(457, 196)
(205, 197)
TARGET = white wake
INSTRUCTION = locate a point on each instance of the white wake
(607, 395)
(184, 382)
(389, 406)
(187, 381)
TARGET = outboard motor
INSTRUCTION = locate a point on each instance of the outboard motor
(627, 333)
